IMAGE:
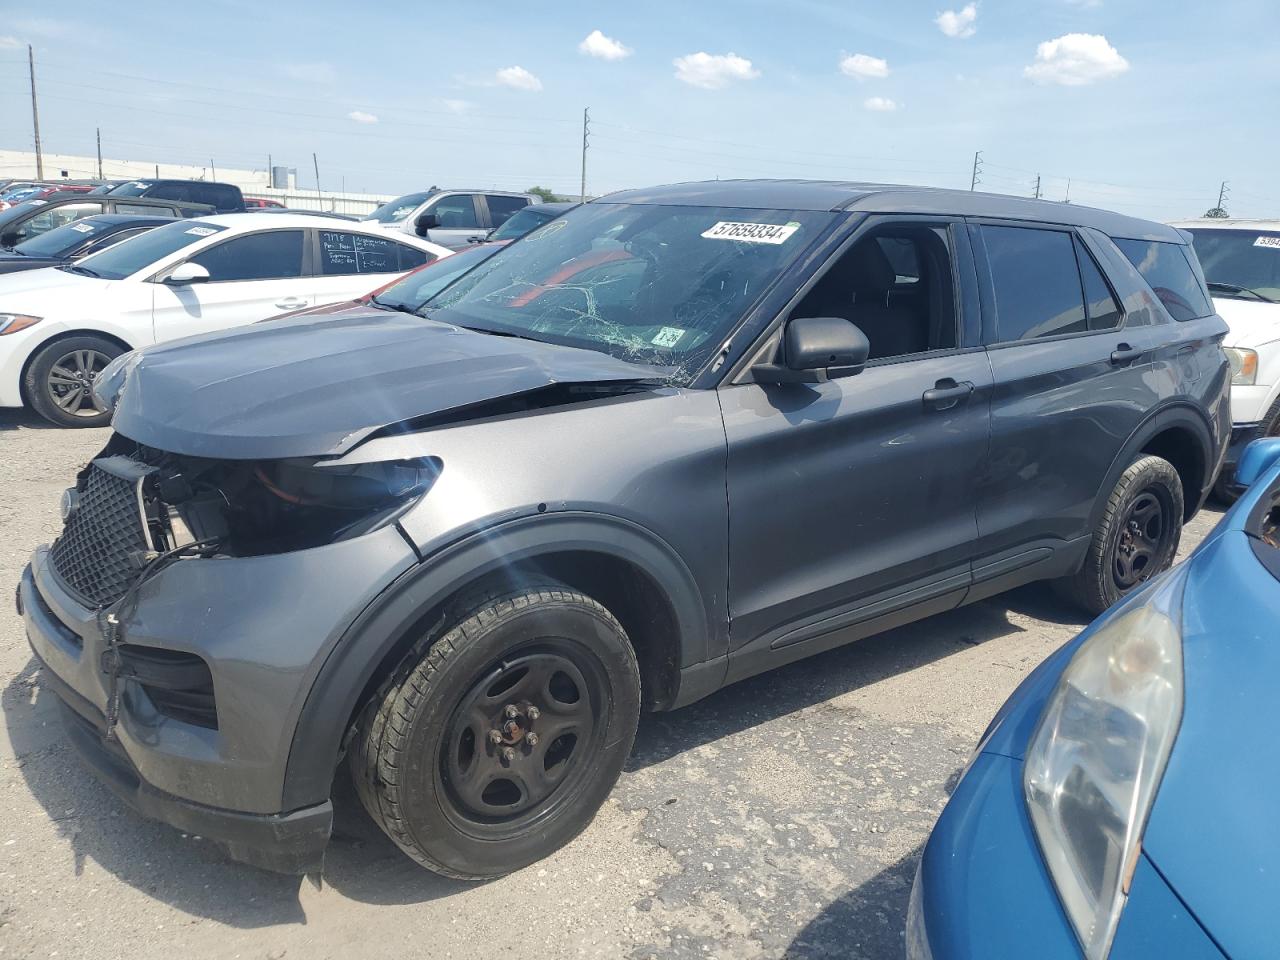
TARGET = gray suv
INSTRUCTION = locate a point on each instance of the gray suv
(671, 439)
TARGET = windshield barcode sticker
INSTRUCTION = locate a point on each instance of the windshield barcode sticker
(1273, 242)
(667, 337)
(202, 231)
(752, 232)
(82, 228)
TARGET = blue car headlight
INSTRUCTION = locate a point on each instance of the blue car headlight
(1097, 757)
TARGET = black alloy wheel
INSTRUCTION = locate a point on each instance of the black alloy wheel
(1142, 541)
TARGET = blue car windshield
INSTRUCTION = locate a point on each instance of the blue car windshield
(650, 284)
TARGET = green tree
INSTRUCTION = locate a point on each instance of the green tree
(547, 195)
(1216, 213)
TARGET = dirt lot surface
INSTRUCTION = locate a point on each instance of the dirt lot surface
(781, 816)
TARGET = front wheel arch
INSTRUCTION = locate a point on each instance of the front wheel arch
(421, 599)
(34, 351)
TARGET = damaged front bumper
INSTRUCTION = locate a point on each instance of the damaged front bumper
(261, 626)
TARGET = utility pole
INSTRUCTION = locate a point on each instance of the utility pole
(319, 196)
(35, 112)
(586, 119)
(1037, 193)
(977, 168)
(213, 171)
(1067, 198)
(98, 131)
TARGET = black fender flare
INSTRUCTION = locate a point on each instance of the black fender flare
(378, 630)
(1173, 414)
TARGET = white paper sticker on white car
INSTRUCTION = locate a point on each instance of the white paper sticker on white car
(201, 231)
(36, 203)
(752, 232)
(667, 337)
(82, 228)
(1273, 242)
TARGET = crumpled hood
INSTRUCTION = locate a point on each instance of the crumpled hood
(318, 385)
(1252, 323)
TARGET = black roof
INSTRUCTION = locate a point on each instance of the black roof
(834, 195)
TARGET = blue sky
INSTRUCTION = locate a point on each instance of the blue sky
(1145, 107)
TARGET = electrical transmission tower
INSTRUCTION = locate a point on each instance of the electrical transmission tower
(977, 169)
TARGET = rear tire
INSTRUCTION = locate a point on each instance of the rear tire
(59, 380)
(1136, 539)
(494, 745)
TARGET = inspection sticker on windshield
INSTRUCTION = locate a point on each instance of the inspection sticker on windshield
(82, 228)
(752, 232)
(667, 337)
(1273, 242)
(201, 231)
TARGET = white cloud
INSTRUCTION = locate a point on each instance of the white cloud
(1076, 59)
(862, 67)
(518, 78)
(604, 48)
(457, 106)
(958, 23)
(712, 71)
(9, 43)
(880, 104)
(309, 72)
(359, 116)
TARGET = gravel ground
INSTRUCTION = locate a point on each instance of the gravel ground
(780, 817)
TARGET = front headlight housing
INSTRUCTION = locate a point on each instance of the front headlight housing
(13, 322)
(1095, 762)
(1244, 365)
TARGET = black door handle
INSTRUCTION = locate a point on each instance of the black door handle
(946, 393)
(1124, 354)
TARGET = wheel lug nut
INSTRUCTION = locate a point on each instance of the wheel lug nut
(531, 738)
(508, 754)
(511, 712)
(533, 713)
(495, 736)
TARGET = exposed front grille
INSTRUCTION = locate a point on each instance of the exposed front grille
(98, 554)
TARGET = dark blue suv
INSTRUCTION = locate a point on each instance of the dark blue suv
(673, 438)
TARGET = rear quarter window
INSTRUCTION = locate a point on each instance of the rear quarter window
(1168, 272)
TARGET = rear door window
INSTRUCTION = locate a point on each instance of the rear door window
(273, 255)
(342, 254)
(411, 257)
(501, 208)
(1036, 281)
(1099, 302)
(1168, 272)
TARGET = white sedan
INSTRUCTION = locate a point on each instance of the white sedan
(60, 326)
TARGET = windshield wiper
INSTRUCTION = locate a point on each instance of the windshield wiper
(83, 271)
(402, 307)
(1232, 288)
(496, 333)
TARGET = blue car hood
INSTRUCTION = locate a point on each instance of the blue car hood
(1213, 831)
(317, 385)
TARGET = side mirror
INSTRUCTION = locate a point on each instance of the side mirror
(187, 273)
(11, 238)
(425, 222)
(815, 349)
(1259, 457)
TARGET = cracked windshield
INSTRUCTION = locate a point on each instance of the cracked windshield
(648, 284)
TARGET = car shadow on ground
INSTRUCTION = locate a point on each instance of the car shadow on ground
(867, 923)
(775, 694)
(193, 874)
(24, 419)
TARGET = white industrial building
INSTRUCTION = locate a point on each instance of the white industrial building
(15, 164)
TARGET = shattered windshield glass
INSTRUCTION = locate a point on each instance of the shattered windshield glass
(649, 284)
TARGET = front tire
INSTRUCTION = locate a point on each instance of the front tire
(495, 744)
(1136, 539)
(59, 380)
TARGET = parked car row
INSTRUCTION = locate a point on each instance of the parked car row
(670, 439)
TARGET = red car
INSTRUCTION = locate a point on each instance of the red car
(261, 203)
(38, 191)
